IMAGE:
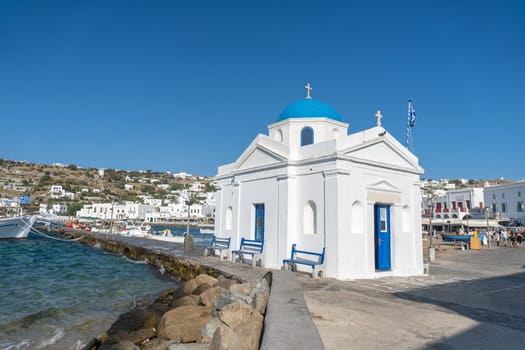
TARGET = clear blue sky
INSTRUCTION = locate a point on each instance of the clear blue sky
(187, 85)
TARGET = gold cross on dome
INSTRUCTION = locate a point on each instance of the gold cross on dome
(308, 90)
(378, 116)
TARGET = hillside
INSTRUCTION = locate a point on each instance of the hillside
(88, 184)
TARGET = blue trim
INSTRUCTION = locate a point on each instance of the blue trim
(259, 222)
(8, 225)
(382, 239)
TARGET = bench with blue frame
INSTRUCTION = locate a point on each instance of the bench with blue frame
(252, 247)
(221, 244)
(304, 257)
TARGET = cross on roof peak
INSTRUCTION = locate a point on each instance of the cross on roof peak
(378, 116)
(308, 90)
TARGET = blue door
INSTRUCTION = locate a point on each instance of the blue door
(259, 222)
(382, 237)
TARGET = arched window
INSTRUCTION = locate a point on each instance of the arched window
(307, 136)
(357, 217)
(309, 218)
(405, 213)
(228, 220)
(279, 136)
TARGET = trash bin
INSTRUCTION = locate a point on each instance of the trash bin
(475, 243)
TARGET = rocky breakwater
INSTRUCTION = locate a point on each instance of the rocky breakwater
(207, 313)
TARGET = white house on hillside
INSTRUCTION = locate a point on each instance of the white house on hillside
(310, 183)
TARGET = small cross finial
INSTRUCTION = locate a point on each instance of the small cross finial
(308, 90)
(378, 116)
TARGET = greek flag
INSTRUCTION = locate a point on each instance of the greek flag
(412, 117)
(24, 200)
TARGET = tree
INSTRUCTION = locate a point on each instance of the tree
(73, 208)
(176, 186)
(210, 187)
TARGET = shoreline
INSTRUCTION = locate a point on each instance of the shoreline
(277, 332)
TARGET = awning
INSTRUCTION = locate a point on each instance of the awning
(458, 222)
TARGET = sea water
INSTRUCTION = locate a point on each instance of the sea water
(59, 295)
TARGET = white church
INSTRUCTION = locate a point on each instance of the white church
(311, 183)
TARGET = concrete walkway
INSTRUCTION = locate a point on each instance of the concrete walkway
(470, 300)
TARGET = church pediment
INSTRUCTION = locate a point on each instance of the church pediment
(258, 156)
(382, 186)
(383, 154)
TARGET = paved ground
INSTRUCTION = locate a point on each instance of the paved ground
(470, 300)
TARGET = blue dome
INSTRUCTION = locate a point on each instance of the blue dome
(309, 108)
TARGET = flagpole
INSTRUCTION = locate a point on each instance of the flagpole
(409, 131)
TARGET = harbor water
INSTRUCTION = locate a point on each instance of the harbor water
(59, 295)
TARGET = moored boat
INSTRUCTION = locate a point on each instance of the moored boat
(207, 231)
(16, 227)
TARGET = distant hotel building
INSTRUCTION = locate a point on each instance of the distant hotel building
(507, 201)
(456, 204)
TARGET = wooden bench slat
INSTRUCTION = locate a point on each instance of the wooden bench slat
(315, 264)
(222, 244)
(250, 247)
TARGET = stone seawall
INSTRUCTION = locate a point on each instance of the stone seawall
(172, 264)
(240, 290)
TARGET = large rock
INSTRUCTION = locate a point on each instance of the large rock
(192, 284)
(184, 324)
(201, 289)
(168, 296)
(125, 345)
(138, 337)
(209, 329)
(242, 288)
(93, 344)
(260, 301)
(190, 346)
(235, 313)
(157, 344)
(250, 331)
(225, 283)
(186, 300)
(226, 339)
(246, 336)
(228, 297)
(130, 322)
(208, 297)
(135, 320)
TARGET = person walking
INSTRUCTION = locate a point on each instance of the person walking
(519, 239)
(504, 237)
(496, 238)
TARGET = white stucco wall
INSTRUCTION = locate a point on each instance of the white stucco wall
(344, 178)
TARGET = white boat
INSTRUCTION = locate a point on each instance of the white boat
(166, 236)
(207, 231)
(131, 230)
(16, 227)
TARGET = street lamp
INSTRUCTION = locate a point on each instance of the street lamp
(431, 251)
(111, 219)
(188, 239)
